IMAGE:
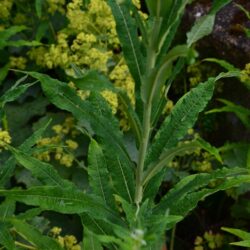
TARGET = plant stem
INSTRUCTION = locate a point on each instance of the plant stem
(24, 245)
(142, 153)
(172, 238)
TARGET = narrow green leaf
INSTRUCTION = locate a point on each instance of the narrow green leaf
(245, 243)
(38, 6)
(90, 241)
(32, 235)
(218, 5)
(133, 118)
(98, 174)
(203, 27)
(128, 36)
(190, 190)
(4, 72)
(5, 237)
(102, 122)
(224, 64)
(150, 89)
(7, 209)
(241, 112)
(237, 232)
(182, 117)
(66, 201)
(41, 170)
(13, 93)
(93, 81)
(7, 169)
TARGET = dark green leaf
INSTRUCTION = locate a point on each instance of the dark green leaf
(127, 33)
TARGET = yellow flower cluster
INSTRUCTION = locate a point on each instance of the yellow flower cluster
(18, 62)
(5, 7)
(210, 240)
(94, 36)
(195, 74)
(64, 147)
(245, 75)
(5, 138)
(56, 5)
(122, 78)
(68, 242)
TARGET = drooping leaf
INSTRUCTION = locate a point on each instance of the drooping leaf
(185, 148)
(62, 200)
(99, 178)
(241, 112)
(34, 236)
(224, 64)
(127, 33)
(189, 191)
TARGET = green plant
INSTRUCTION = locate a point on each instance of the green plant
(119, 211)
(243, 235)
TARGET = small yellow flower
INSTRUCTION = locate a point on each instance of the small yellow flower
(57, 128)
(5, 138)
(72, 144)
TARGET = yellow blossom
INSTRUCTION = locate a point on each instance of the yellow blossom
(72, 144)
(67, 160)
(5, 138)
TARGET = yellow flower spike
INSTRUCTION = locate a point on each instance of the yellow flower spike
(72, 144)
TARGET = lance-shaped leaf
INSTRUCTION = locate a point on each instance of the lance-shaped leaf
(66, 201)
(99, 178)
(102, 122)
(32, 235)
(185, 148)
(241, 112)
(129, 39)
(183, 117)
(237, 232)
(189, 191)
(90, 241)
(7, 209)
(6, 239)
(41, 170)
(13, 93)
(204, 25)
(6, 170)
